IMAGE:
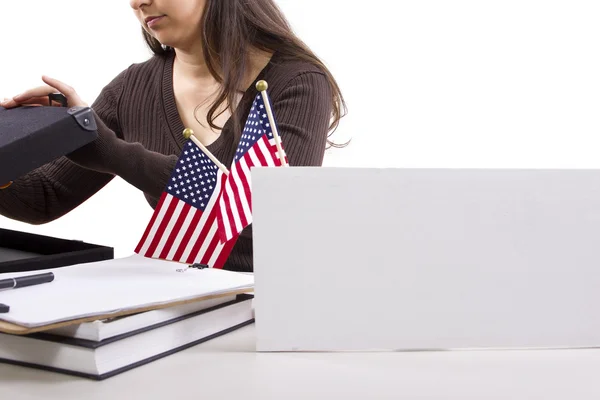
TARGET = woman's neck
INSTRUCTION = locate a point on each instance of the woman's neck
(191, 64)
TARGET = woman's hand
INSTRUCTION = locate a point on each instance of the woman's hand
(39, 95)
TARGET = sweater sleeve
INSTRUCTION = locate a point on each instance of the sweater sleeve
(110, 154)
(147, 170)
(56, 188)
(302, 111)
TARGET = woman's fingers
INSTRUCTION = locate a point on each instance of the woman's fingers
(9, 103)
(32, 96)
(39, 91)
(40, 101)
(39, 95)
(58, 85)
(72, 96)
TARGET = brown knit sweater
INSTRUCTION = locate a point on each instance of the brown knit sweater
(140, 138)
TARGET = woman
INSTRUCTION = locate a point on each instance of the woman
(208, 55)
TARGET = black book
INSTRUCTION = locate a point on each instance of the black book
(107, 354)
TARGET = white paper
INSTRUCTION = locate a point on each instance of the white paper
(111, 286)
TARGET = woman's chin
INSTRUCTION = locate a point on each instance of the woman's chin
(164, 40)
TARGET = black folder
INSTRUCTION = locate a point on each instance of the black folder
(31, 136)
(23, 251)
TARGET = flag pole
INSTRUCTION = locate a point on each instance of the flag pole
(189, 134)
(262, 87)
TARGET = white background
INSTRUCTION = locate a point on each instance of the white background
(443, 83)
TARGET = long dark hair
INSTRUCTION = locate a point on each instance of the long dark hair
(229, 28)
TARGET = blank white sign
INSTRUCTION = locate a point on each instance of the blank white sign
(399, 259)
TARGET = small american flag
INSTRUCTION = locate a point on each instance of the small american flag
(183, 226)
(257, 147)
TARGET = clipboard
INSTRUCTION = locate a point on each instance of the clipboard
(14, 329)
(113, 288)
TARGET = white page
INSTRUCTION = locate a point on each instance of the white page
(112, 286)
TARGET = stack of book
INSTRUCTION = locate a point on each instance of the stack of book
(100, 319)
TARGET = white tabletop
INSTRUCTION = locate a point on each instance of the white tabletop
(229, 368)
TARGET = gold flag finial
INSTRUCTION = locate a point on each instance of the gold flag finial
(261, 86)
(187, 133)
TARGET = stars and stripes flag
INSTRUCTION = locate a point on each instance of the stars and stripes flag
(183, 226)
(257, 148)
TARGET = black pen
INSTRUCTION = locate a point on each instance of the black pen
(23, 281)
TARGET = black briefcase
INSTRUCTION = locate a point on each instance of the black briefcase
(31, 136)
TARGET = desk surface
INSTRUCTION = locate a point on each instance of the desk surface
(229, 368)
